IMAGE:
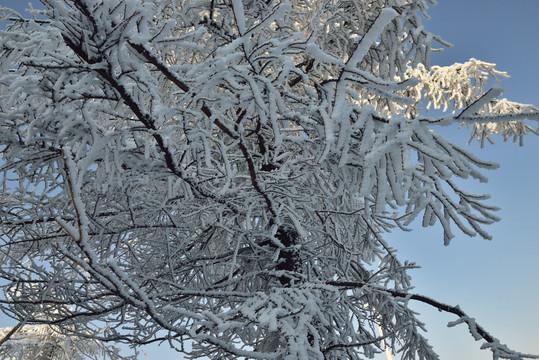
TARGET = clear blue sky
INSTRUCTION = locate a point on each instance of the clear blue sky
(497, 282)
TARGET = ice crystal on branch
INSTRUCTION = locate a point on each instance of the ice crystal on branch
(463, 87)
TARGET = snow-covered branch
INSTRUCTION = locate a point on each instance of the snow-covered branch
(220, 175)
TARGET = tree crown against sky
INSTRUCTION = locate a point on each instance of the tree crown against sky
(44, 342)
(220, 174)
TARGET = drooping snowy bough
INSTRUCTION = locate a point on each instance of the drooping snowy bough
(220, 174)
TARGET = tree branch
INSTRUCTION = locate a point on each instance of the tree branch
(11, 332)
(477, 331)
